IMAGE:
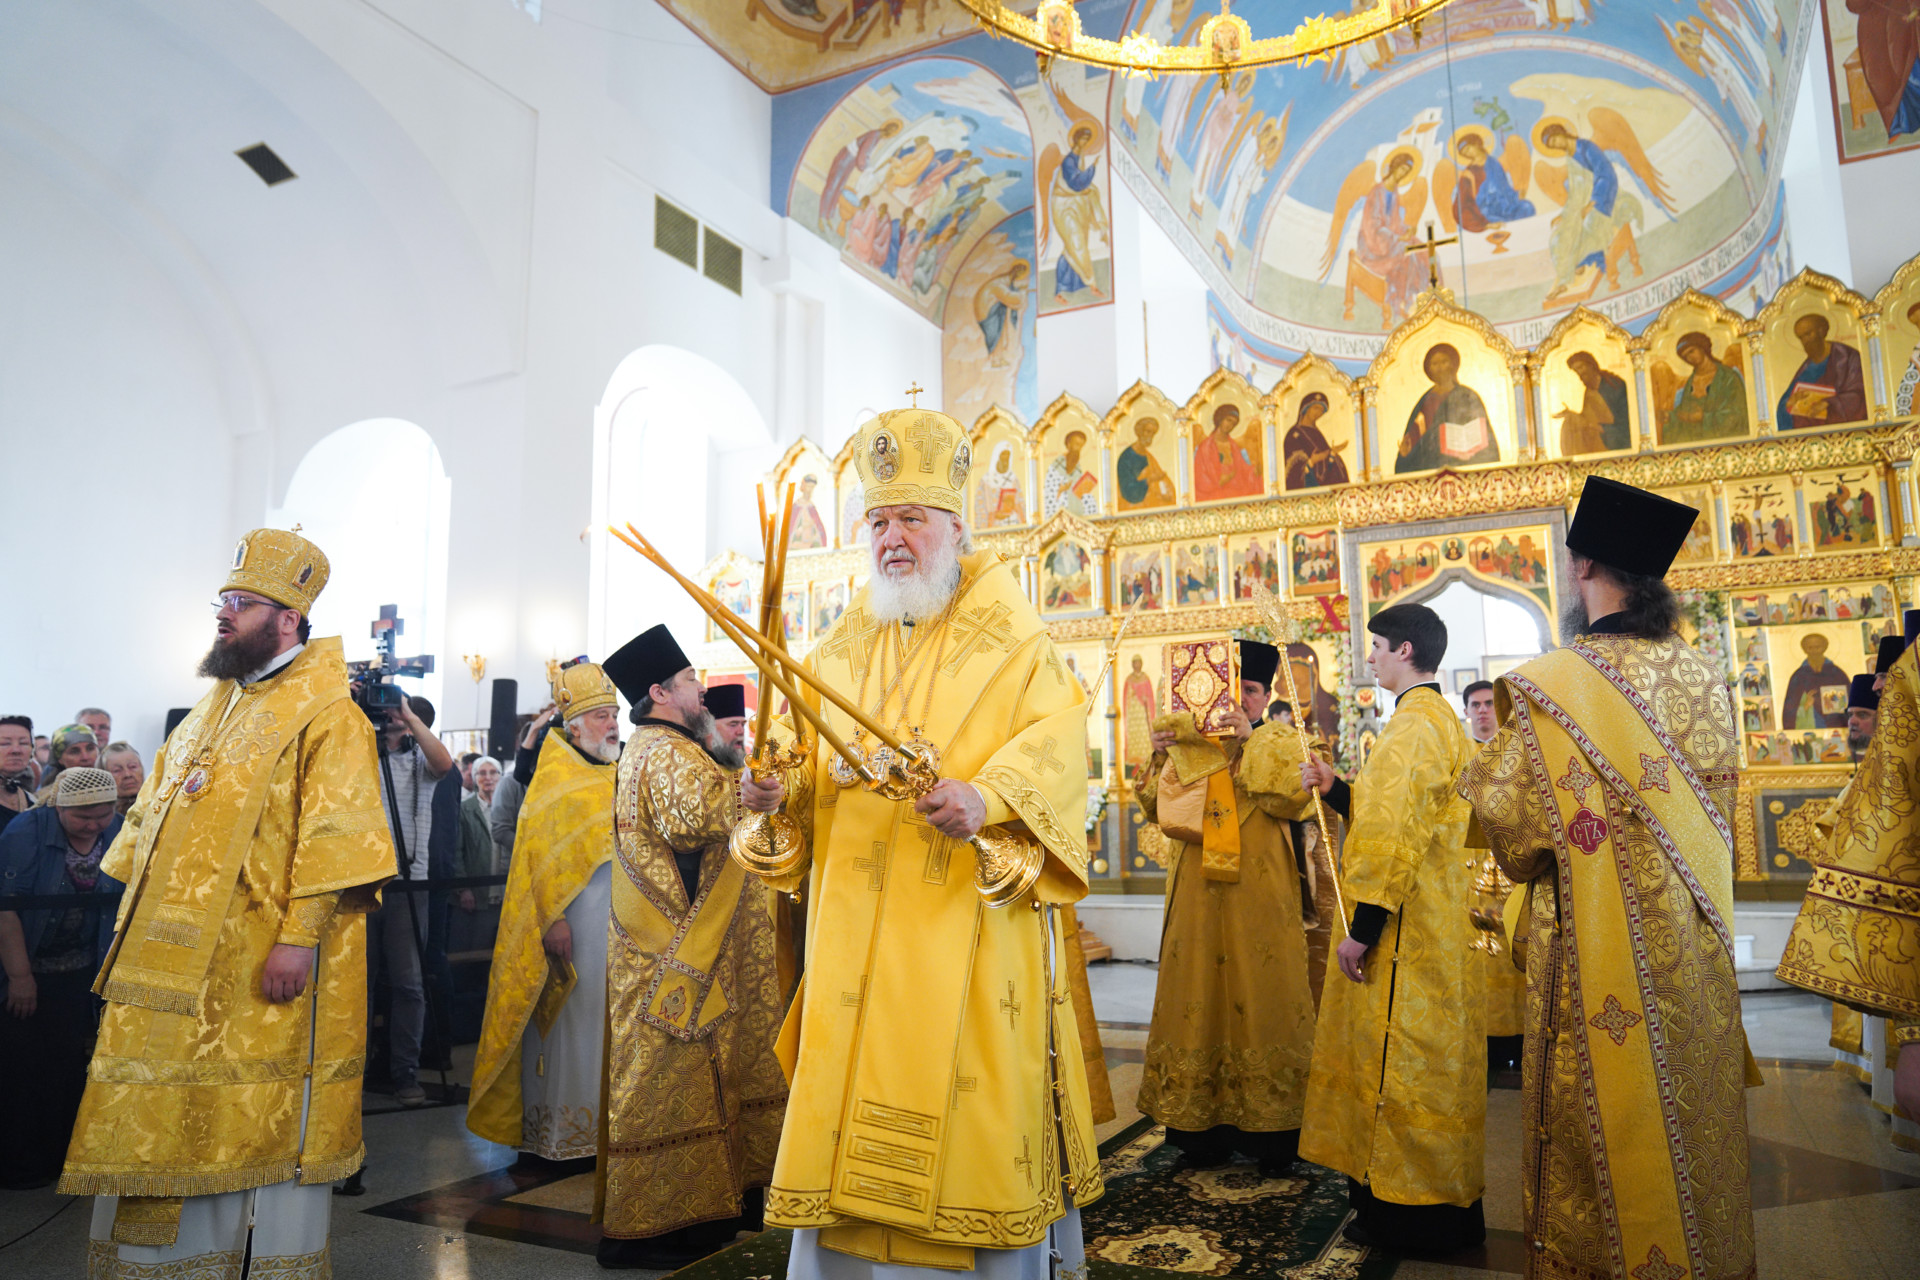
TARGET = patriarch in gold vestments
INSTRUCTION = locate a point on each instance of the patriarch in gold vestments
(225, 1084)
(537, 1070)
(695, 1095)
(939, 1104)
(1398, 1095)
(1857, 937)
(1608, 798)
(1232, 1034)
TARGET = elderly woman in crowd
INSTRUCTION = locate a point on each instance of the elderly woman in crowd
(124, 763)
(49, 958)
(476, 833)
(74, 747)
(16, 768)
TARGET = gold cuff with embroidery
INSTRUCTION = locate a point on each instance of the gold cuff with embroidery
(306, 918)
(1903, 1031)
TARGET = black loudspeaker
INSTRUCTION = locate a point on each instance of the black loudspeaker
(506, 702)
(174, 717)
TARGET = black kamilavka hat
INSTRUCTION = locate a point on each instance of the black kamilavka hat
(1629, 529)
(1910, 626)
(726, 701)
(1891, 647)
(650, 658)
(1860, 693)
(1258, 662)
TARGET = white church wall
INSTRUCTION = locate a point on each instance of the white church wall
(876, 347)
(118, 456)
(1167, 343)
(1810, 178)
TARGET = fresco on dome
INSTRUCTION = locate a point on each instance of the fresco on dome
(1579, 152)
(1068, 110)
(988, 351)
(1876, 97)
(781, 44)
(911, 170)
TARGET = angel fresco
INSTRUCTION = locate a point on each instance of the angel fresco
(1390, 202)
(1074, 208)
(1449, 426)
(1492, 183)
(1248, 175)
(1594, 227)
(1707, 48)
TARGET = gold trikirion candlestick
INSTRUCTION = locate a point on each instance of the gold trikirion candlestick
(1287, 630)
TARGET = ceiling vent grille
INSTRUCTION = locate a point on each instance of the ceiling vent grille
(723, 260)
(676, 233)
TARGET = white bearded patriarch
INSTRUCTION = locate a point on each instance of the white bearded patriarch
(916, 561)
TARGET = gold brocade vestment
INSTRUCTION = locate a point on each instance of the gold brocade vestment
(1608, 797)
(695, 1095)
(934, 1073)
(1233, 1016)
(565, 832)
(1857, 936)
(1398, 1094)
(261, 823)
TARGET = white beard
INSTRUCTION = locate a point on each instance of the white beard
(606, 749)
(920, 595)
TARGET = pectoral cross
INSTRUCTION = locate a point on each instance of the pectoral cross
(1010, 1006)
(1431, 247)
(1042, 755)
(875, 867)
(913, 393)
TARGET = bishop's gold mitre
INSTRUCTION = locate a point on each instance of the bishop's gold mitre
(918, 456)
(582, 687)
(280, 565)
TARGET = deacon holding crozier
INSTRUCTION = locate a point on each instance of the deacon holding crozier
(1608, 798)
(695, 1095)
(224, 1092)
(537, 1070)
(939, 1115)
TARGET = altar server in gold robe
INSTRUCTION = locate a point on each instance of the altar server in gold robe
(1398, 1096)
(1858, 930)
(224, 1092)
(1608, 797)
(1506, 983)
(939, 1105)
(695, 1095)
(1232, 1034)
(537, 1070)
(1849, 1035)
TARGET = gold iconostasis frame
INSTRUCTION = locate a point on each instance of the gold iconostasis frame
(1167, 512)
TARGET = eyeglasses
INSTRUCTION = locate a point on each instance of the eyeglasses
(240, 604)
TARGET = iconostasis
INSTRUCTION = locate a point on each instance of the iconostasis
(1453, 457)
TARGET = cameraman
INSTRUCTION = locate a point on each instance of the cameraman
(414, 761)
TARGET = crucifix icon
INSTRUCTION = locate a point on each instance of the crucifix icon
(1431, 247)
(913, 393)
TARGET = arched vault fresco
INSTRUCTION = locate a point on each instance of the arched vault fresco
(1580, 153)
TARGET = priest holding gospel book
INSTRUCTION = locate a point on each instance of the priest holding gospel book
(1608, 797)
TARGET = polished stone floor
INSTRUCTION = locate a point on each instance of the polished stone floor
(1832, 1197)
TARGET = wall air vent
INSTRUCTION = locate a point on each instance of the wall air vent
(676, 233)
(270, 168)
(723, 260)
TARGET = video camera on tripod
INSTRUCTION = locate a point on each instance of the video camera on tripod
(374, 690)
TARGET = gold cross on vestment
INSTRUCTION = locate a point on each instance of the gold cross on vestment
(854, 999)
(1024, 1161)
(1042, 755)
(1431, 247)
(979, 629)
(1010, 1006)
(913, 393)
(923, 435)
(875, 867)
(939, 853)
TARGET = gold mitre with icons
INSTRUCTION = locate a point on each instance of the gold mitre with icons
(581, 688)
(917, 456)
(280, 565)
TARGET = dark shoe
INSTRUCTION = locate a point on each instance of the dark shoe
(410, 1094)
(1276, 1169)
(354, 1186)
(642, 1255)
(1354, 1233)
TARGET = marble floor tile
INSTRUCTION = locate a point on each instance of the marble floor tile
(1123, 991)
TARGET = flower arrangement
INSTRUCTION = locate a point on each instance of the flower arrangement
(1096, 805)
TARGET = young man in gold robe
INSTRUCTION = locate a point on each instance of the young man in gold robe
(939, 1104)
(1608, 797)
(1848, 1038)
(1398, 1095)
(538, 1068)
(224, 1092)
(1232, 1034)
(695, 1094)
(1506, 983)
(1859, 926)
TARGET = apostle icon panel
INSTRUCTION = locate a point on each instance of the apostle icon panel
(1141, 480)
(1068, 484)
(1227, 457)
(996, 495)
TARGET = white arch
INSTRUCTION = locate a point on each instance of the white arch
(677, 446)
(375, 497)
